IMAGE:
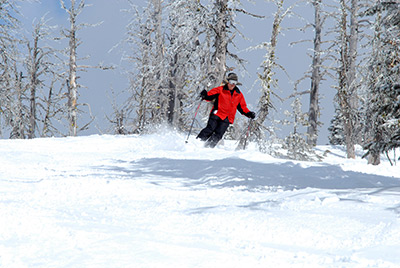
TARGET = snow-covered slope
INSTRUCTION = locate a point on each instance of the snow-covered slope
(154, 201)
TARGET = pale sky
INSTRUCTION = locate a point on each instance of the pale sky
(98, 41)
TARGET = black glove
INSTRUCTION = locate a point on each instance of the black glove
(251, 115)
(203, 94)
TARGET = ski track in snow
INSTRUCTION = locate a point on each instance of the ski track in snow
(154, 201)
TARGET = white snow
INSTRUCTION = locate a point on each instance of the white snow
(154, 201)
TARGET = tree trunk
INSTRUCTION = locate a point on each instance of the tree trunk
(351, 76)
(349, 102)
(347, 79)
(18, 120)
(217, 65)
(33, 85)
(221, 43)
(157, 62)
(46, 120)
(72, 84)
(374, 155)
(172, 101)
(313, 113)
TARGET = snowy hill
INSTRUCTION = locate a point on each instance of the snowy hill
(154, 201)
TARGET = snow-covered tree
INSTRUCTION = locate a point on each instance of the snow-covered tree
(52, 108)
(182, 50)
(40, 67)
(145, 39)
(267, 77)
(9, 40)
(383, 78)
(346, 44)
(18, 119)
(295, 144)
(336, 133)
(221, 22)
(178, 49)
(163, 41)
(28, 77)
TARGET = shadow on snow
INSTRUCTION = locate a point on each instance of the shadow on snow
(235, 172)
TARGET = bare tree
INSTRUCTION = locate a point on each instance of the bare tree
(146, 48)
(75, 9)
(72, 84)
(347, 96)
(314, 110)
(39, 68)
(52, 108)
(18, 117)
(8, 57)
(179, 49)
(267, 77)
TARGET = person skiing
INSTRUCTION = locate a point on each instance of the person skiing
(227, 99)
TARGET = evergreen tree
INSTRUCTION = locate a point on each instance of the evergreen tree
(295, 143)
(383, 78)
(336, 134)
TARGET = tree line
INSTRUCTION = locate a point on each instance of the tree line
(177, 48)
(39, 86)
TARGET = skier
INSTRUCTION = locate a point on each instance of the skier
(227, 98)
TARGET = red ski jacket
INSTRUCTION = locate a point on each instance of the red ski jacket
(226, 102)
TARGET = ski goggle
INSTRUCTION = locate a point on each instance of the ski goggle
(233, 82)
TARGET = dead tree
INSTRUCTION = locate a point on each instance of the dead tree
(73, 86)
(314, 110)
(38, 67)
(267, 78)
(347, 94)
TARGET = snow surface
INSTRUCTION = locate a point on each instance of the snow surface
(154, 201)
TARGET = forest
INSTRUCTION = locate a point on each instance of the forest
(176, 48)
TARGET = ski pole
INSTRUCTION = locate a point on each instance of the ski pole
(195, 114)
(247, 134)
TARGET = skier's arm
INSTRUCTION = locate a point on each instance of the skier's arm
(210, 95)
(242, 108)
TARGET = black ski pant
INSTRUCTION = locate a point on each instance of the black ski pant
(214, 131)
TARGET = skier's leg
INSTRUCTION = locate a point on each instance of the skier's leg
(209, 129)
(218, 133)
